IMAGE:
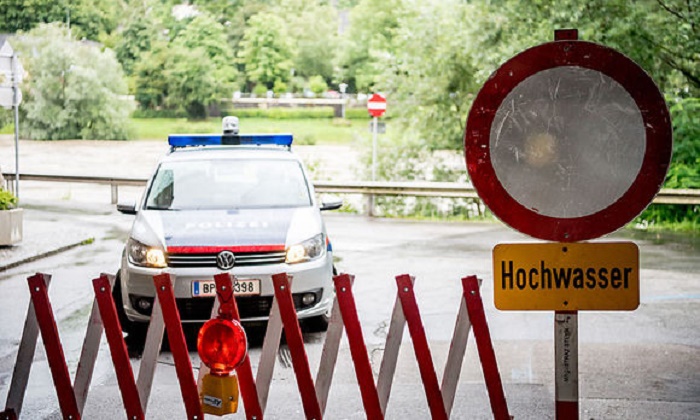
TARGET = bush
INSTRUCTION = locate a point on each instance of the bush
(158, 113)
(8, 201)
(282, 113)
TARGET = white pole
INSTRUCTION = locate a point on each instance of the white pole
(566, 365)
(15, 103)
(374, 149)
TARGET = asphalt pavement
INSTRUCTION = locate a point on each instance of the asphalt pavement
(633, 365)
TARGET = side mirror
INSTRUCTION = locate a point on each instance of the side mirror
(332, 205)
(126, 208)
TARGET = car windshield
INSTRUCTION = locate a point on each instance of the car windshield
(228, 184)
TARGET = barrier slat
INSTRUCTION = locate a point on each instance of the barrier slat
(455, 356)
(88, 355)
(295, 342)
(54, 349)
(387, 369)
(484, 346)
(178, 346)
(117, 348)
(358, 349)
(149, 357)
(249, 391)
(329, 354)
(268, 354)
(25, 357)
(420, 346)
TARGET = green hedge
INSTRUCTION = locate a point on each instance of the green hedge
(158, 113)
(282, 113)
(276, 113)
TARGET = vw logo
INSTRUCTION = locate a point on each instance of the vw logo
(225, 260)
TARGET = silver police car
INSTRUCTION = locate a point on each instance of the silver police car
(233, 203)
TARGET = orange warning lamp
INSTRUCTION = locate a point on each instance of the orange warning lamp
(222, 346)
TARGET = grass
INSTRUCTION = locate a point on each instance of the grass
(306, 131)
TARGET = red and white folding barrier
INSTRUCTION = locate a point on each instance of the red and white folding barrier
(254, 391)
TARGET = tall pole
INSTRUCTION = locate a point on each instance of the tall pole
(374, 149)
(15, 103)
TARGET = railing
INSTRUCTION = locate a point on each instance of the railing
(367, 188)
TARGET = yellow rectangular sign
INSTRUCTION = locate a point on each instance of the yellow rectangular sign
(566, 276)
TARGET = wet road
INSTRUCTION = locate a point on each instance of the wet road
(641, 364)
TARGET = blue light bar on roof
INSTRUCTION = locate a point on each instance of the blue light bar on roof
(184, 140)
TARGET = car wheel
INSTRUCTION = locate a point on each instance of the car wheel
(317, 323)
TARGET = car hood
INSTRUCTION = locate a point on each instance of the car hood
(214, 230)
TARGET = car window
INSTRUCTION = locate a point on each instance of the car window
(228, 184)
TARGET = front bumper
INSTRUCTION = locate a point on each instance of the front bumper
(310, 277)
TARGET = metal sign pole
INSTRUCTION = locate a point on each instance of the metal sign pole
(566, 365)
(15, 105)
(374, 148)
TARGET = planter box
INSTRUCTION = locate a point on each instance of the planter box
(10, 226)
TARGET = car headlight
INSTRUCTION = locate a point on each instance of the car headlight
(305, 251)
(145, 256)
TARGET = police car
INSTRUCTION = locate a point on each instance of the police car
(241, 204)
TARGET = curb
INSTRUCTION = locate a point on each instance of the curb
(45, 254)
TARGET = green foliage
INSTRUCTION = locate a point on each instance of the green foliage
(431, 77)
(158, 113)
(685, 115)
(8, 201)
(75, 90)
(150, 79)
(88, 18)
(206, 33)
(368, 43)
(313, 26)
(135, 38)
(317, 85)
(280, 87)
(191, 84)
(266, 51)
(684, 172)
(279, 113)
(188, 74)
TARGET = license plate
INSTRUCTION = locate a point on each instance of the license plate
(204, 288)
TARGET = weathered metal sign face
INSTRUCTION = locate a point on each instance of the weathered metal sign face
(568, 141)
(566, 276)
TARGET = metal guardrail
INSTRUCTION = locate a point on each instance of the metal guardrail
(368, 188)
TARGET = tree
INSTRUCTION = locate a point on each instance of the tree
(74, 90)
(190, 82)
(431, 75)
(151, 84)
(206, 33)
(266, 52)
(313, 27)
(88, 18)
(367, 44)
(136, 37)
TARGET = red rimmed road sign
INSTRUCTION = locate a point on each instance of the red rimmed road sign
(568, 141)
(376, 105)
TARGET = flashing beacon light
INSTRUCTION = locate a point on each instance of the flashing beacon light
(222, 345)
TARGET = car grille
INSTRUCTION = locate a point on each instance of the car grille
(243, 259)
(199, 309)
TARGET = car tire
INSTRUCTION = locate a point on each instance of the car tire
(317, 324)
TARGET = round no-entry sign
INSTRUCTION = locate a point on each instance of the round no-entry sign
(376, 105)
(568, 141)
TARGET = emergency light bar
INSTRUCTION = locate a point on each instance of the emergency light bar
(185, 140)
